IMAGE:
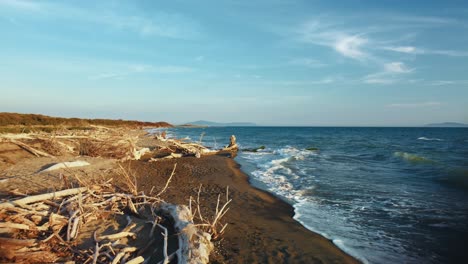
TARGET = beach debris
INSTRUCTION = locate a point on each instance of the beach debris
(117, 143)
(232, 144)
(195, 245)
(174, 148)
(68, 164)
(85, 224)
(70, 225)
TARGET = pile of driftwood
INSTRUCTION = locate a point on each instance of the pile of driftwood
(175, 148)
(99, 142)
(74, 226)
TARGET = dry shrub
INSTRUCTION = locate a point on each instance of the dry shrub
(51, 146)
(106, 149)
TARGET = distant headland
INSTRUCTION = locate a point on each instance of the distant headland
(204, 123)
(447, 124)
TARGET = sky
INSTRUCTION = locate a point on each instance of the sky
(275, 62)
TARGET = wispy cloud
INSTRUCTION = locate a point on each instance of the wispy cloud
(307, 62)
(351, 46)
(344, 42)
(396, 67)
(414, 105)
(422, 51)
(391, 73)
(103, 76)
(402, 49)
(442, 83)
(132, 69)
(326, 80)
(20, 4)
(161, 24)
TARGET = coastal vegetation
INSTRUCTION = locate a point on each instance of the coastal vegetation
(25, 123)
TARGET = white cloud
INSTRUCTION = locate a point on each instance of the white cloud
(345, 42)
(402, 49)
(442, 83)
(390, 74)
(396, 67)
(351, 46)
(375, 80)
(414, 105)
(421, 51)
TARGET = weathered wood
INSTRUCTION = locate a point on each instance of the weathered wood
(42, 197)
(30, 149)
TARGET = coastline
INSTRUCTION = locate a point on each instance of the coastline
(261, 226)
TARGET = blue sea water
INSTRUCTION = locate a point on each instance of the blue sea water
(384, 195)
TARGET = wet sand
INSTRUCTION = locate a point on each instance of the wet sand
(261, 228)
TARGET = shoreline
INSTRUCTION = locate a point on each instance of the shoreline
(261, 229)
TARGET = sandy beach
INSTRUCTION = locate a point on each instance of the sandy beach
(260, 227)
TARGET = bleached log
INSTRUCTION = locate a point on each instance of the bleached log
(137, 154)
(30, 149)
(194, 245)
(136, 260)
(14, 226)
(68, 164)
(42, 197)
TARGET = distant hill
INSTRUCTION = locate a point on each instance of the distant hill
(14, 119)
(447, 124)
(215, 124)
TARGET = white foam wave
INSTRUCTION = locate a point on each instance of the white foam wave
(278, 171)
(430, 139)
(339, 242)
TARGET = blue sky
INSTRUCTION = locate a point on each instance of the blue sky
(383, 63)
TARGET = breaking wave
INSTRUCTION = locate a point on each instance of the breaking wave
(413, 158)
(430, 139)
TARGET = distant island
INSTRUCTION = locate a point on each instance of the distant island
(216, 124)
(447, 124)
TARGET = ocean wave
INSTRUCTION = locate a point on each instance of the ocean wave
(430, 139)
(278, 170)
(413, 158)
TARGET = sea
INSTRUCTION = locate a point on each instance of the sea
(383, 195)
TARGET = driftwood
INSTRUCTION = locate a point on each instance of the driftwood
(194, 245)
(30, 149)
(179, 148)
(42, 197)
(73, 208)
(62, 165)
